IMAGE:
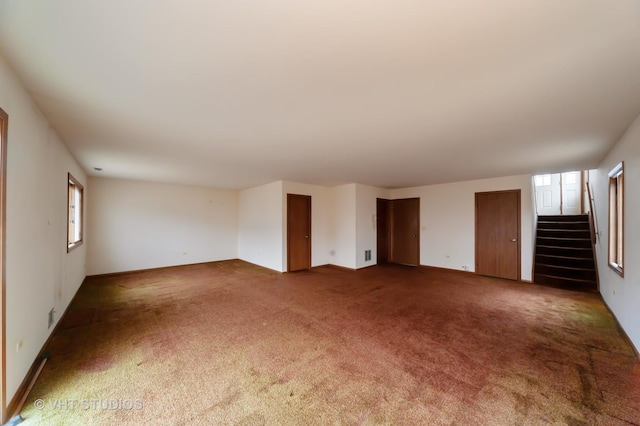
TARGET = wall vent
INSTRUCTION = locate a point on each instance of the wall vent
(367, 255)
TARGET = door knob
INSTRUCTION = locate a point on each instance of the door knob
(514, 240)
(306, 236)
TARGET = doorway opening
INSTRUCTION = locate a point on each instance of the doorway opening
(398, 231)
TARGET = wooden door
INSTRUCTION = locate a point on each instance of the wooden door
(298, 232)
(382, 230)
(405, 231)
(498, 234)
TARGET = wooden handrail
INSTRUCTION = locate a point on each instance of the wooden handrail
(592, 214)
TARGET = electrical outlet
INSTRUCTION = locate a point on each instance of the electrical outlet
(51, 317)
(19, 345)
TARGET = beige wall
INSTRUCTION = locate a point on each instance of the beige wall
(366, 222)
(140, 225)
(320, 217)
(260, 226)
(622, 294)
(40, 274)
(447, 221)
(342, 250)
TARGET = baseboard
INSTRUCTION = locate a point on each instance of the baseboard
(337, 267)
(622, 331)
(162, 268)
(440, 268)
(13, 405)
(250, 263)
(366, 266)
(345, 268)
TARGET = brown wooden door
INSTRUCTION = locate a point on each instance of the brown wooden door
(405, 231)
(382, 230)
(298, 232)
(498, 234)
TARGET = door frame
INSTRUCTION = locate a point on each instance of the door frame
(289, 196)
(383, 204)
(4, 124)
(518, 192)
(392, 231)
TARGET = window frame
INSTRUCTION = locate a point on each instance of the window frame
(542, 180)
(74, 185)
(616, 219)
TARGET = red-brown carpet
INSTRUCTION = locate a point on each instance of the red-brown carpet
(232, 343)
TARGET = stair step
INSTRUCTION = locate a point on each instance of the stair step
(564, 272)
(564, 242)
(563, 225)
(565, 233)
(569, 261)
(572, 284)
(555, 277)
(564, 218)
(571, 268)
(580, 252)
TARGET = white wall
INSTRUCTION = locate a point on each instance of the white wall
(263, 224)
(320, 220)
(342, 221)
(447, 221)
(136, 225)
(40, 274)
(260, 226)
(621, 294)
(366, 214)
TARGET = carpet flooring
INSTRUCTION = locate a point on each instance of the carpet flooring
(233, 343)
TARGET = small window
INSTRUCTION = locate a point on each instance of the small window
(572, 178)
(74, 218)
(542, 180)
(616, 219)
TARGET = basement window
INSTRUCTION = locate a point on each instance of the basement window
(616, 219)
(75, 199)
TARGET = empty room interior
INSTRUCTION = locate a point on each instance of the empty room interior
(320, 212)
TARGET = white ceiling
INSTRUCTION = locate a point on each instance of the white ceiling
(388, 93)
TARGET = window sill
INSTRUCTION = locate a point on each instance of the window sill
(617, 268)
(73, 246)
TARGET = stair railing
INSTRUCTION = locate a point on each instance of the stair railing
(592, 215)
(595, 233)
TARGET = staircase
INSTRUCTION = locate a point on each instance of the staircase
(564, 253)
